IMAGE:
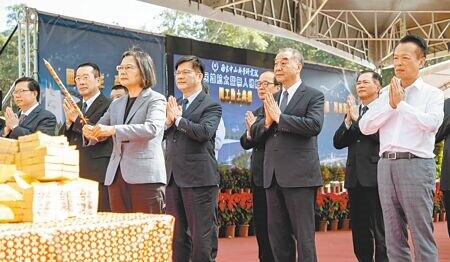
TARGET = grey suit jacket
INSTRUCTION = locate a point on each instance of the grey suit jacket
(137, 144)
(444, 133)
(291, 153)
(38, 120)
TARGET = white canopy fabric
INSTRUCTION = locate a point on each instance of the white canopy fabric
(438, 75)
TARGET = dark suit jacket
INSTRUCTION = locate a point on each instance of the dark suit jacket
(38, 120)
(444, 133)
(362, 156)
(291, 152)
(90, 167)
(257, 159)
(190, 155)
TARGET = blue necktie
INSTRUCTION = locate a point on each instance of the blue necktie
(364, 110)
(84, 108)
(184, 104)
(284, 101)
(22, 118)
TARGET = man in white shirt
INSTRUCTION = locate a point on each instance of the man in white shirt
(407, 117)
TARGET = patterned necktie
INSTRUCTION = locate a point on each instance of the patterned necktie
(84, 108)
(184, 104)
(284, 101)
(22, 118)
(364, 110)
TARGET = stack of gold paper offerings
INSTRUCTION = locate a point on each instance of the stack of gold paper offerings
(8, 147)
(47, 158)
(46, 184)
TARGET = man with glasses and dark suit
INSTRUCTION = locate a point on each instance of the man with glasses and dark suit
(266, 84)
(192, 174)
(32, 116)
(93, 159)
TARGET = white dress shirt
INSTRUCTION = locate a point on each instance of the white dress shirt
(360, 112)
(220, 136)
(90, 101)
(291, 91)
(26, 113)
(190, 100)
(412, 126)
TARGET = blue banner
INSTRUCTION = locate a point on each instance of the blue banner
(234, 86)
(67, 43)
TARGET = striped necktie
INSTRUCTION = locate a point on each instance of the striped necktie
(284, 101)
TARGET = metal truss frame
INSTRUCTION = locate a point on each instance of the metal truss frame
(27, 20)
(346, 30)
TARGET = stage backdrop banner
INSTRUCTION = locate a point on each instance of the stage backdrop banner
(66, 43)
(231, 76)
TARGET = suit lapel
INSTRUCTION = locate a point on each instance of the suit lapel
(31, 116)
(121, 105)
(295, 98)
(197, 101)
(277, 96)
(95, 105)
(137, 104)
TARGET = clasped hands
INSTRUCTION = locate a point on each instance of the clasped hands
(351, 110)
(11, 120)
(396, 93)
(271, 109)
(173, 110)
(98, 132)
(70, 112)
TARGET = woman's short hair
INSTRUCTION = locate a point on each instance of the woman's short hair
(145, 65)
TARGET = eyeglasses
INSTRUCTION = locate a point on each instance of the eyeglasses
(184, 72)
(282, 64)
(264, 84)
(125, 67)
(20, 91)
(78, 79)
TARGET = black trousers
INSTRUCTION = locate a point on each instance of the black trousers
(447, 207)
(103, 198)
(260, 223)
(195, 210)
(132, 198)
(367, 224)
(291, 223)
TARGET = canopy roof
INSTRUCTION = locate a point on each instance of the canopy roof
(363, 31)
(438, 75)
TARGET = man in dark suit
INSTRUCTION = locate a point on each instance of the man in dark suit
(266, 84)
(32, 116)
(292, 121)
(93, 159)
(361, 176)
(192, 175)
(444, 133)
